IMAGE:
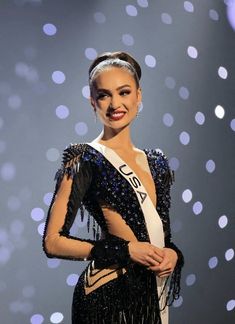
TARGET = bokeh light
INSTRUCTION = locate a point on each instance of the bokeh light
(192, 52)
(58, 77)
(210, 166)
(184, 138)
(99, 17)
(223, 221)
(188, 6)
(200, 118)
(166, 18)
(90, 53)
(131, 10)
(213, 262)
(62, 112)
(150, 61)
(190, 279)
(184, 93)
(187, 195)
(168, 119)
(49, 29)
(128, 39)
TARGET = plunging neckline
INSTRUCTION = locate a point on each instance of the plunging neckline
(148, 164)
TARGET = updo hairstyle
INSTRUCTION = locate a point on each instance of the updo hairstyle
(114, 59)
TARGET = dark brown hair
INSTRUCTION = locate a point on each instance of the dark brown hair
(118, 59)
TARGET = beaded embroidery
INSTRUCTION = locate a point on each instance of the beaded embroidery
(104, 183)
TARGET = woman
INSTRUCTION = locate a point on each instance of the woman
(134, 270)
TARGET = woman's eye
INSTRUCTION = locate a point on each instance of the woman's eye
(125, 92)
(101, 95)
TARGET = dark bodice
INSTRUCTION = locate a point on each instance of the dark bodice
(96, 181)
(108, 186)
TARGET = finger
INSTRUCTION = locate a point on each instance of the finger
(161, 267)
(164, 274)
(151, 262)
(159, 252)
(154, 256)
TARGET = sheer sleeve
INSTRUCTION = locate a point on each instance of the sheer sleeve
(167, 179)
(72, 182)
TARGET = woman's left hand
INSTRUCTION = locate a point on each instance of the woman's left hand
(166, 267)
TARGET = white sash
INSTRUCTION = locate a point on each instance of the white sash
(152, 219)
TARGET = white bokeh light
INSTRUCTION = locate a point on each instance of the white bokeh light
(232, 124)
(213, 14)
(56, 318)
(188, 6)
(128, 39)
(53, 263)
(187, 195)
(47, 198)
(199, 118)
(219, 111)
(86, 92)
(150, 61)
(72, 279)
(81, 128)
(184, 138)
(190, 279)
(131, 10)
(197, 207)
(229, 254)
(192, 52)
(222, 72)
(178, 302)
(90, 53)
(36, 319)
(37, 214)
(62, 112)
(166, 18)
(230, 305)
(143, 3)
(223, 221)
(210, 166)
(58, 77)
(213, 262)
(168, 119)
(41, 228)
(49, 29)
(184, 93)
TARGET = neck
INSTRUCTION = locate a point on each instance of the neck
(116, 139)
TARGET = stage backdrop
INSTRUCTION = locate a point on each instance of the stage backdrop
(187, 53)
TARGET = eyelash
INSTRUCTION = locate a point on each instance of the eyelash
(104, 94)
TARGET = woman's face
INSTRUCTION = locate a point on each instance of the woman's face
(115, 97)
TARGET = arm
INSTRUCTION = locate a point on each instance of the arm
(73, 180)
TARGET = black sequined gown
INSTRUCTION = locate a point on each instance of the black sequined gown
(130, 298)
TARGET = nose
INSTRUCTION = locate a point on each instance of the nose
(115, 102)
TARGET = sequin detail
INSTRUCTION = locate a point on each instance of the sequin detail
(132, 297)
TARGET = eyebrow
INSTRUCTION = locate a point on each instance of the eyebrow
(118, 88)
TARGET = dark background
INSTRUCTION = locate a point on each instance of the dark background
(187, 54)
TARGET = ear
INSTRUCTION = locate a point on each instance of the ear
(139, 95)
(92, 101)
